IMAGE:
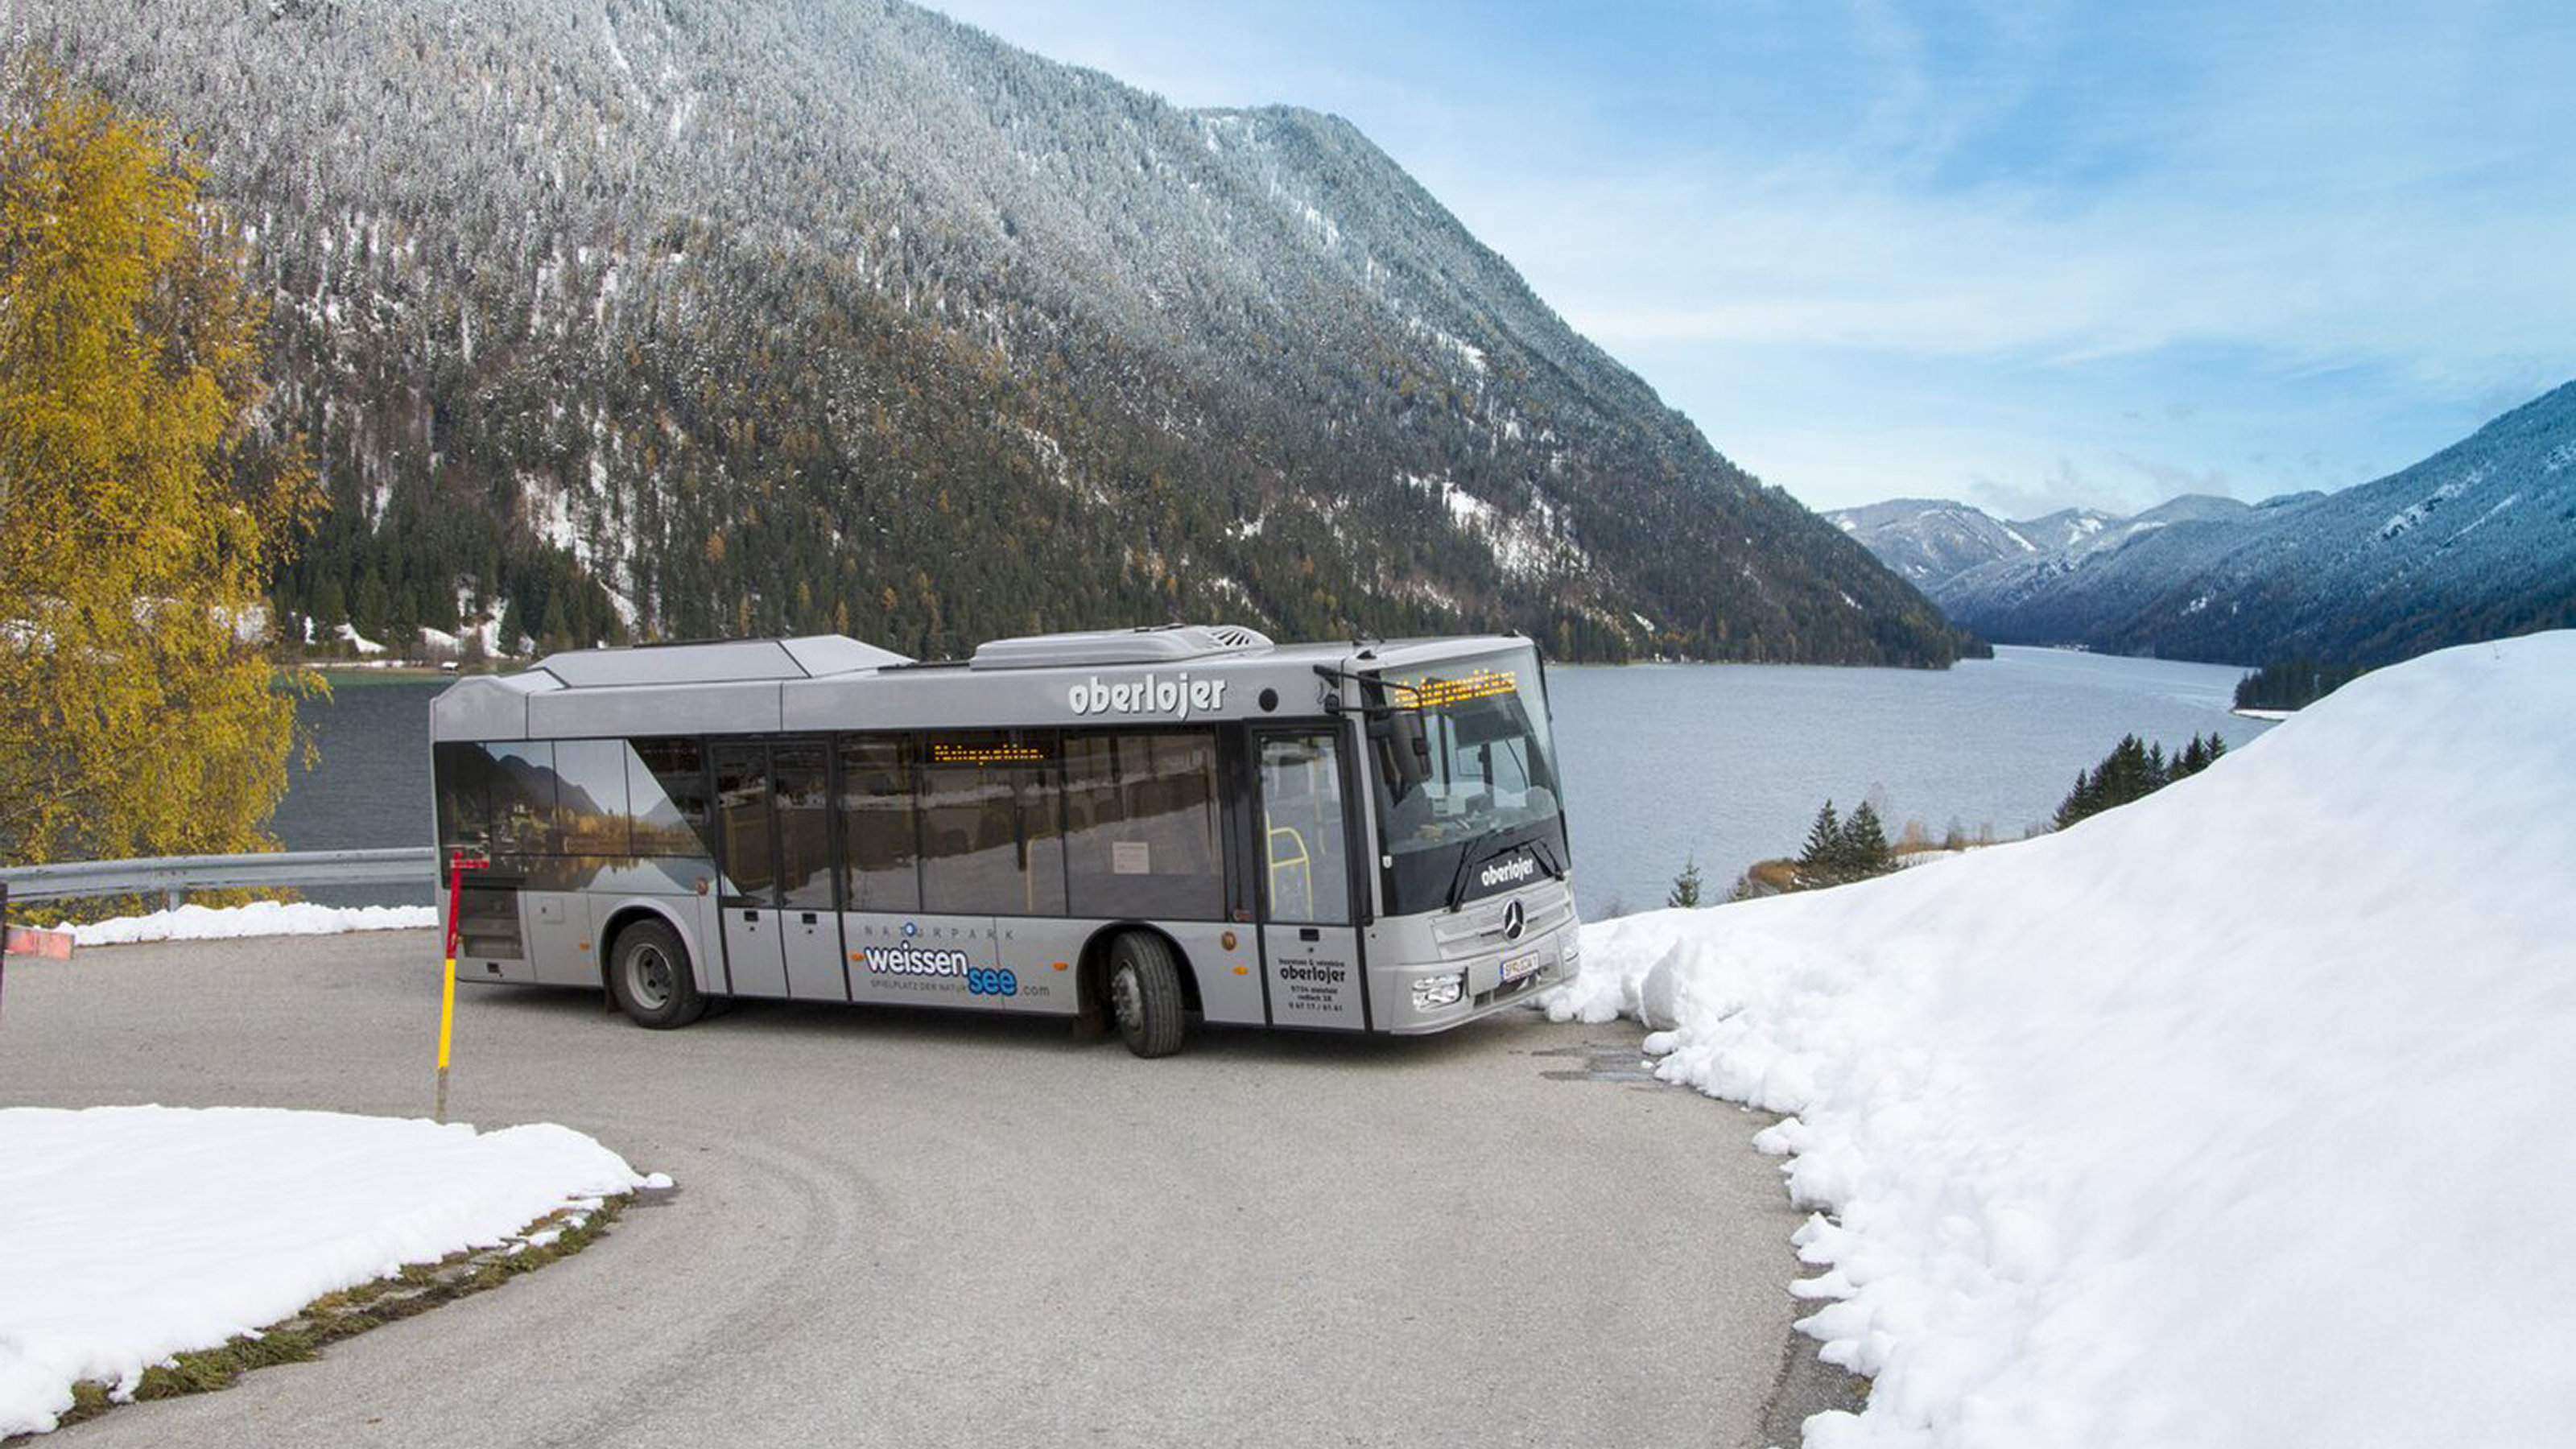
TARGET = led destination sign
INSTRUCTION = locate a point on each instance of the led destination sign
(1483, 684)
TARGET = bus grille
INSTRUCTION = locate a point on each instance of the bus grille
(1478, 929)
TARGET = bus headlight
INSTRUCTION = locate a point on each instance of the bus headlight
(1433, 991)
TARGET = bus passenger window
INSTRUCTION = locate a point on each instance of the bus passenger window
(666, 781)
(1143, 838)
(464, 798)
(742, 820)
(804, 827)
(992, 841)
(880, 869)
(590, 799)
(523, 798)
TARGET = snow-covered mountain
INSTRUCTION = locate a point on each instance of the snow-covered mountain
(1928, 540)
(2475, 542)
(746, 315)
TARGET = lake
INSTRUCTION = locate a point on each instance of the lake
(1663, 762)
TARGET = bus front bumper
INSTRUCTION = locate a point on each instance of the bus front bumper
(1417, 1000)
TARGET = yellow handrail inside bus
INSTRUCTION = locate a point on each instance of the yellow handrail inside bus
(1301, 861)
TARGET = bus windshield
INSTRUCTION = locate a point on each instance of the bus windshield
(1462, 756)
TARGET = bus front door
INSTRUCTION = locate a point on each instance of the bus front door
(1309, 945)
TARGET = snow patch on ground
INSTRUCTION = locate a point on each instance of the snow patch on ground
(259, 918)
(2242, 1115)
(356, 640)
(136, 1233)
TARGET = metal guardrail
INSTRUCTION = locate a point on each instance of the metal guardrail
(176, 875)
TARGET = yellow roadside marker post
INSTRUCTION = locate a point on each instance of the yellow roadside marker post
(457, 865)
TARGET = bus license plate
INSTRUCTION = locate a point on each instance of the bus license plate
(1516, 967)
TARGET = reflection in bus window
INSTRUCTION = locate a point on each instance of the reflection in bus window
(804, 827)
(523, 798)
(1308, 871)
(590, 798)
(464, 798)
(1141, 825)
(742, 820)
(666, 783)
(991, 838)
(879, 870)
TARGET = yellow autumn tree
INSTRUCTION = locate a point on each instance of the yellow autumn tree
(139, 713)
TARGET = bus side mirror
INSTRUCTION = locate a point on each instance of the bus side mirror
(1408, 753)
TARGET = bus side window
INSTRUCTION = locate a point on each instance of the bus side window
(1144, 835)
(742, 820)
(992, 837)
(464, 798)
(804, 827)
(879, 852)
(666, 780)
(590, 801)
(523, 799)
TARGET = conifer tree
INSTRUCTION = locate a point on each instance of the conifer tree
(1820, 862)
(1864, 848)
(1686, 886)
(138, 533)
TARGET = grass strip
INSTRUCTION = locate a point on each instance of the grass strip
(416, 1288)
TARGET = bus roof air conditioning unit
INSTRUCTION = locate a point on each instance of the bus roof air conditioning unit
(1159, 644)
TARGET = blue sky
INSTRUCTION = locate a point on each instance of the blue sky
(2028, 255)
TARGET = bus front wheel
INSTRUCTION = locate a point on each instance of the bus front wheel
(1145, 994)
(648, 973)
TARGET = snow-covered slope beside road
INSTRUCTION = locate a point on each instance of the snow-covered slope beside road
(258, 918)
(129, 1234)
(2242, 1115)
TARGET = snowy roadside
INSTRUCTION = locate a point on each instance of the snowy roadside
(136, 1233)
(2240, 1115)
(259, 918)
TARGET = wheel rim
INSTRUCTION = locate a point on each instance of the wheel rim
(648, 977)
(1127, 998)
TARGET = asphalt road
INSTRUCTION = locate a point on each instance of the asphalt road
(906, 1228)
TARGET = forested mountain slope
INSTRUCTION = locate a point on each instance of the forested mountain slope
(2476, 542)
(691, 317)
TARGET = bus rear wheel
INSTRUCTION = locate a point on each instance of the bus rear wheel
(1145, 994)
(648, 973)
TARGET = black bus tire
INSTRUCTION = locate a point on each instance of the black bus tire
(648, 973)
(1145, 997)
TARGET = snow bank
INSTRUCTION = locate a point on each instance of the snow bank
(2243, 1115)
(135, 1233)
(259, 918)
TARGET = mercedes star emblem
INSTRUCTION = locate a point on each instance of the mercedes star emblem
(1513, 923)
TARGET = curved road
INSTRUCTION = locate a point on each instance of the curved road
(907, 1228)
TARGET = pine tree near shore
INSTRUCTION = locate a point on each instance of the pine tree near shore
(2133, 771)
(1865, 851)
(1820, 863)
(138, 715)
(1686, 886)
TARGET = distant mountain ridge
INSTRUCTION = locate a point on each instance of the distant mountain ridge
(2476, 542)
(737, 316)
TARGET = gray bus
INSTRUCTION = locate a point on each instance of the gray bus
(1133, 826)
